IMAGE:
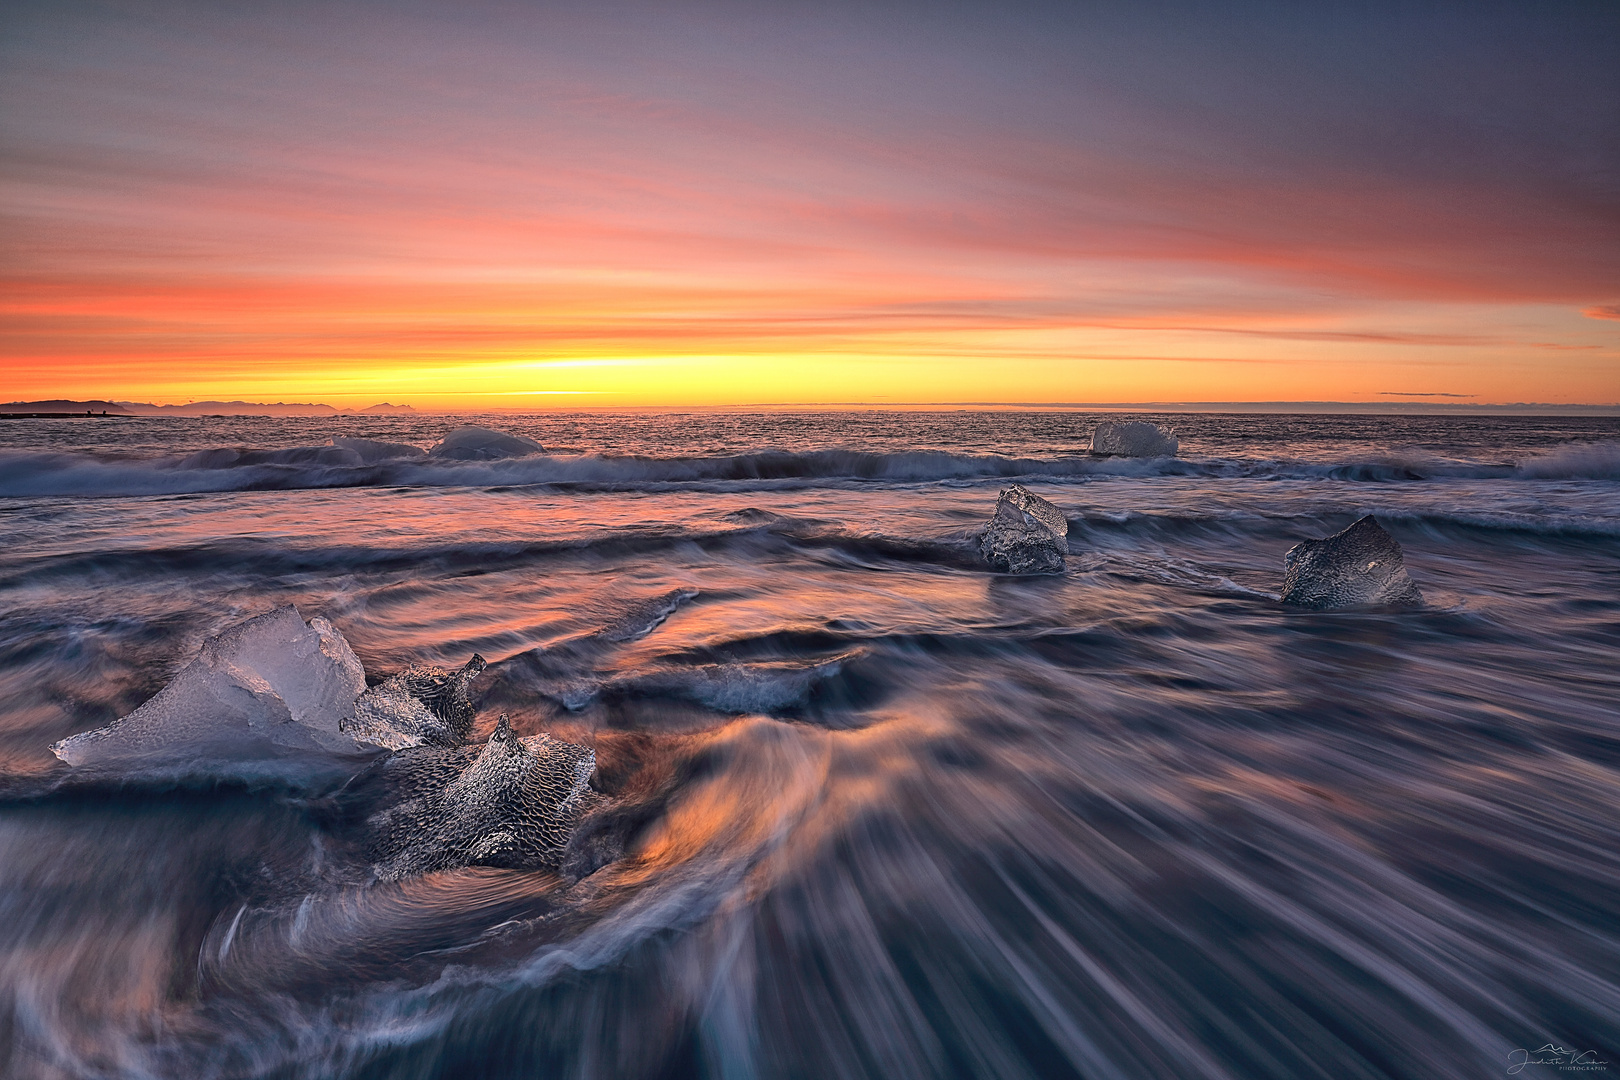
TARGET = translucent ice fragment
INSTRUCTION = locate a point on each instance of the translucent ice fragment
(1028, 535)
(513, 803)
(420, 706)
(268, 684)
(1358, 567)
(1134, 438)
(473, 443)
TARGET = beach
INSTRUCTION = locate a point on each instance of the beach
(889, 812)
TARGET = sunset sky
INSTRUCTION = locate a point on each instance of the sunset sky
(555, 205)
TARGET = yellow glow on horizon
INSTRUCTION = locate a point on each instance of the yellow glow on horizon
(469, 348)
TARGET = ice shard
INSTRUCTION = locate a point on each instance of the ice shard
(269, 684)
(510, 803)
(1358, 567)
(1134, 438)
(1027, 535)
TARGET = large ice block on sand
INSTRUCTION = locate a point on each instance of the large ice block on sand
(1134, 438)
(269, 684)
(512, 803)
(474, 443)
(1358, 567)
(1028, 535)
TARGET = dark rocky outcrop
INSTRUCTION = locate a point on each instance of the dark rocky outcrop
(1358, 567)
(1028, 535)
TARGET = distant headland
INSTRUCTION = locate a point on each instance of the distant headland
(63, 407)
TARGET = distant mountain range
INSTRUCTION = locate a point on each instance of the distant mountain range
(194, 408)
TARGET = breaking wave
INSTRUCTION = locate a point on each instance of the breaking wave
(1578, 461)
(44, 474)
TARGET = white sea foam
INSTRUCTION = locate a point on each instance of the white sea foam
(26, 473)
(372, 451)
(1576, 461)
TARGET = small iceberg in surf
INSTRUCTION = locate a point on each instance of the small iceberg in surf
(267, 685)
(274, 685)
(278, 697)
(474, 443)
(1027, 535)
(514, 804)
(1360, 566)
(1134, 438)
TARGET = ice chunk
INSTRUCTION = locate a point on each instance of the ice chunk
(513, 804)
(1134, 438)
(418, 707)
(371, 451)
(473, 443)
(1358, 567)
(1028, 535)
(268, 684)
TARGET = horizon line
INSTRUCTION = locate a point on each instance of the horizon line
(1158, 406)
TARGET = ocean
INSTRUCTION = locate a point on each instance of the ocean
(886, 813)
